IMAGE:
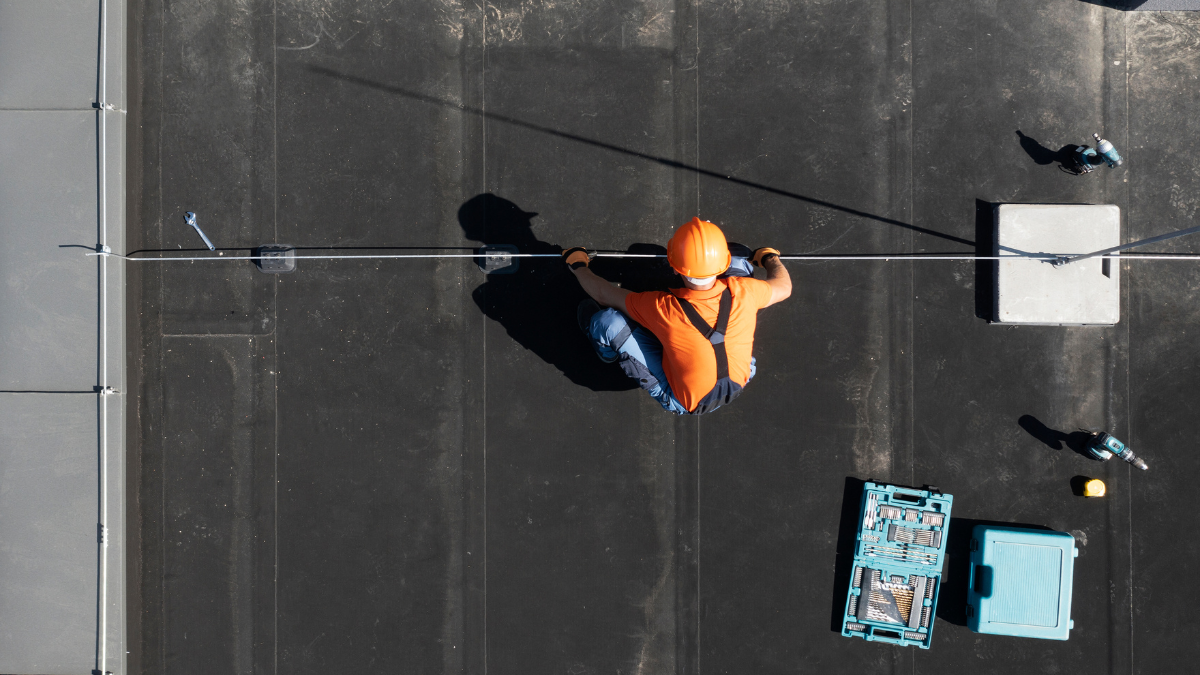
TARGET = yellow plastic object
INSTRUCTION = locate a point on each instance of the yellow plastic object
(1093, 488)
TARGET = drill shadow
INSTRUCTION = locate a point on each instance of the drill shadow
(1043, 156)
(537, 304)
(956, 568)
(1054, 439)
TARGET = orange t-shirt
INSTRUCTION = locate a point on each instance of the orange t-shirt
(688, 358)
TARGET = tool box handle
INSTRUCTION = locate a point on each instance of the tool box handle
(902, 494)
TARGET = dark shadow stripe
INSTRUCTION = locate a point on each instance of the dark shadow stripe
(626, 151)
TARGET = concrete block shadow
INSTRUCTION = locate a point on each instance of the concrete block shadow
(985, 270)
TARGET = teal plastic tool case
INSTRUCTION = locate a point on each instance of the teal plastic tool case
(897, 565)
(1020, 582)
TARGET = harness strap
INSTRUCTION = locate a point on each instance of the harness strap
(622, 336)
(714, 334)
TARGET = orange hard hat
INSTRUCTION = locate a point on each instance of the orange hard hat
(698, 249)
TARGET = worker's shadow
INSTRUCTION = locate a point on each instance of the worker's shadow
(537, 304)
(1040, 154)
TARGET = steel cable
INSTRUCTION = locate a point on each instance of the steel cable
(1041, 257)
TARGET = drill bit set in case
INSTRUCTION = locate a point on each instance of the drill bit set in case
(897, 565)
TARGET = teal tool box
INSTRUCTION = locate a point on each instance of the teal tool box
(897, 565)
(1020, 582)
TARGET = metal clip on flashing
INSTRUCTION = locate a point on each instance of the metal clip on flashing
(498, 259)
(275, 258)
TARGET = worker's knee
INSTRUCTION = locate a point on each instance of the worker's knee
(609, 327)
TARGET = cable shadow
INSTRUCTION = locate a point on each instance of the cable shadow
(416, 96)
(536, 304)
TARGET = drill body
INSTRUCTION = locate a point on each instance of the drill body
(1107, 151)
(1103, 446)
(1087, 157)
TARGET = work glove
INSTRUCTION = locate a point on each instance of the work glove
(576, 257)
(760, 255)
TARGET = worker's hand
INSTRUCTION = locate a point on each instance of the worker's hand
(576, 257)
(760, 255)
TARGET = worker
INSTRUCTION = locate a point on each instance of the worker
(690, 348)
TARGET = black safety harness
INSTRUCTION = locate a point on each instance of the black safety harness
(725, 390)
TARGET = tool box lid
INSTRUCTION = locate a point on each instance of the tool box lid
(1020, 582)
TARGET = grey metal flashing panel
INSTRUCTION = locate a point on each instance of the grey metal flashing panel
(48, 53)
(48, 532)
(62, 337)
(48, 202)
(1156, 5)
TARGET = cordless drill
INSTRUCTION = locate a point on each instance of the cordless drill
(1104, 150)
(1103, 446)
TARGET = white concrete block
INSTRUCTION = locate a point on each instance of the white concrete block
(1033, 292)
